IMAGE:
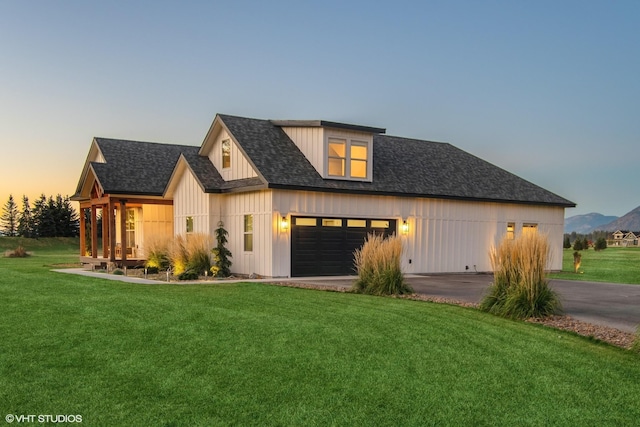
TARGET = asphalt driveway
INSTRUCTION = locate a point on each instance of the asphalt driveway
(607, 304)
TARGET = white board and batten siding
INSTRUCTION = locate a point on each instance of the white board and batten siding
(258, 204)
(313, 142)
(240, 168)
(190, 201)
(156, 220)
(444, 235)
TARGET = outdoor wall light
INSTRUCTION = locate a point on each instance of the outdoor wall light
(405, 227)
(284, 223)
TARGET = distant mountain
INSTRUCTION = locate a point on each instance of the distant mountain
(627, 222)
(587, 223)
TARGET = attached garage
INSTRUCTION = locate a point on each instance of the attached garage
(325, 246)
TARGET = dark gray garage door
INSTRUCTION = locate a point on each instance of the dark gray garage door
(324, 246)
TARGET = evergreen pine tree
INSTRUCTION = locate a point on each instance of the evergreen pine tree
(25, 220)
(9, 219)
(221, 255)
(567, 242)
(38, 213)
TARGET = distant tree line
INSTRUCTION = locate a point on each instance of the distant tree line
(48, 217)
(579, 242)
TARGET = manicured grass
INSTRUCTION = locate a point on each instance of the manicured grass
(616, 265)
(253, 354)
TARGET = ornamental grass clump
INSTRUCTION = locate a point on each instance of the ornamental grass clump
(178, 255)
(198, 253)
(157, 251)
(520, 289)
(378, 264)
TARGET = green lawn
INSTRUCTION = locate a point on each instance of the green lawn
(617, 265)
(253, 354)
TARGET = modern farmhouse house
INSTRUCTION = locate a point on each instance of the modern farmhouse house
(297, 197)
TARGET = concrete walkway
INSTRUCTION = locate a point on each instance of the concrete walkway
(607, 304)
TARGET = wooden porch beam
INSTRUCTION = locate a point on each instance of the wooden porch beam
(123, 229)
(83, 233)
(112, 232)
(94, 232)
(105, 231)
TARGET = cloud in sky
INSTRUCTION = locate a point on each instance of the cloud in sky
(547, 90)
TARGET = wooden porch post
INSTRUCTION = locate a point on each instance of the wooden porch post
(112, 232)
(123, 228)
(105, 231)
(83, 233)
(94, 233)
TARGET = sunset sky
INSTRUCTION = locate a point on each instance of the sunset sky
(549, 90)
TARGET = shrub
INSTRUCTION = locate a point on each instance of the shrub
(577, 260)
(520, 289)
(157, 251)
(378, 264)
(577, 245)
(18, 252)
(601, 244)
(188, 275)
(118, 272)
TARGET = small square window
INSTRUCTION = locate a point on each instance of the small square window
(189, 224)
(529, 229)
(511, 230)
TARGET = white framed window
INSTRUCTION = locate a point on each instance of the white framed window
(130, 227)
(348, 159)
(226, 154)
(337, 157)
(189, 224)
(248, 233)
(529, 228)
(511, 230)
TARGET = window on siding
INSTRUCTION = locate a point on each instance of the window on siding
(248, 233)
(348, 158)
(337, 157)
(189, 224)
(130, 227)
(359, 159)
(529, 229)
(511, 230)
(226, 153)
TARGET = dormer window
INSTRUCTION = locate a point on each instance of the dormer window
(348, 158)
(226, 153)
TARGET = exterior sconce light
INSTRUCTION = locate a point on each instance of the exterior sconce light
(405, 227)
(284, 223)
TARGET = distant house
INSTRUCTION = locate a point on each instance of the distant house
(297, 197)
(625, 238)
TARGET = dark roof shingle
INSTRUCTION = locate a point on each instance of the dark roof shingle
(401, 166)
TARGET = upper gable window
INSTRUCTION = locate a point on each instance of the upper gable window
(226, 153)
(348, 158)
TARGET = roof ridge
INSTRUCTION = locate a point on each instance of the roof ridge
(165, 144)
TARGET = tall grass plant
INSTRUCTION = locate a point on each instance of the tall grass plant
(378, 264)
(520, 289)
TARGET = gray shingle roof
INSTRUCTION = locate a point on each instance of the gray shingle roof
(401, 166)
(139, 168)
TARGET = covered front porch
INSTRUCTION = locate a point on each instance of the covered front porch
(123, 222)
